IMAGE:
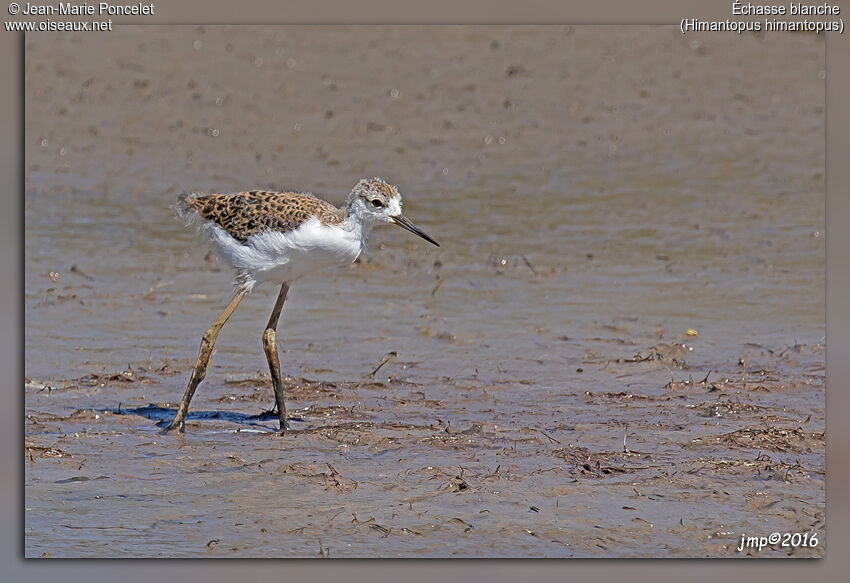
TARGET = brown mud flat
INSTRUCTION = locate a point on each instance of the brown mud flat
(616, 352)
(376, 467)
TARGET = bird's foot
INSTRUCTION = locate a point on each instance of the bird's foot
(180, 426)
(284, 427)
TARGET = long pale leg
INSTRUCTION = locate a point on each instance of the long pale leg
(207, 343)
(270, 348)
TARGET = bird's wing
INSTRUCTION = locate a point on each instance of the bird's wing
(247, 213)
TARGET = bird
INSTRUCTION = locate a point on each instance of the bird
(280, 237)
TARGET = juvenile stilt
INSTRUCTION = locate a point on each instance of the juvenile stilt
(207, 344)
(280, 237)
(270, 348)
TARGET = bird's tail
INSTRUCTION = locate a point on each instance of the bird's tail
(186, 207)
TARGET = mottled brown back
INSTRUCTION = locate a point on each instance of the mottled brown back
(247, 213)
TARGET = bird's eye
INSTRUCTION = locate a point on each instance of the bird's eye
(377, 203)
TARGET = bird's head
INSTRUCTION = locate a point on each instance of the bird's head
(375, 201)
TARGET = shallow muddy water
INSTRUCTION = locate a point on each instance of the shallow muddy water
(616, 351)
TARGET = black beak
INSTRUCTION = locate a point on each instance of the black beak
(401, 221)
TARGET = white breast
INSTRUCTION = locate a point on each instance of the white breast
(275, 256)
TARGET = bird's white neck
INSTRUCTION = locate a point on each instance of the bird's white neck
(358, 226)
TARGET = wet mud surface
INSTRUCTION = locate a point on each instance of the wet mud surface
(618, 351)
